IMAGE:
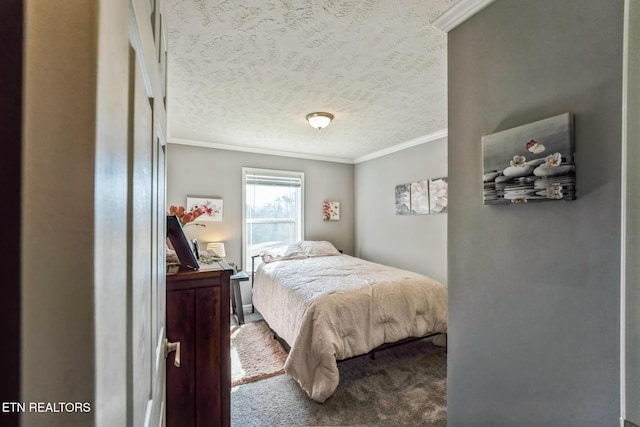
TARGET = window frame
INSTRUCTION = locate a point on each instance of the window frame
(269, 172)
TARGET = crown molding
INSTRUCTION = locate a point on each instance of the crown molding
(399, 147)
(256, 150)
(403, 146)
(458, 13)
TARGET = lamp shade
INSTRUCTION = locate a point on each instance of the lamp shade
(217, 247)
(319, 120)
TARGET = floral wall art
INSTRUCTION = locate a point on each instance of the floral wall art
(331, 211)
(212, 208)
(420, 197)
(530, 163)
(427, 196)
(438, 195)
(403, 199)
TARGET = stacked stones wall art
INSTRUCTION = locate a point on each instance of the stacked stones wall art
(530, 163)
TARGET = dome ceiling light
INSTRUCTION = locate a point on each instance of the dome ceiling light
(319, 120)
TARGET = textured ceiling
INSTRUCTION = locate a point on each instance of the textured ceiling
(247, 72)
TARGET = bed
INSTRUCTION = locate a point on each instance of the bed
(328, 306)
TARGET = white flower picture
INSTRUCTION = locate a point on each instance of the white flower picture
(212, 208)
(438, 195)
(420, 197)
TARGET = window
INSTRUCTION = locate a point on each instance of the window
(272, 211)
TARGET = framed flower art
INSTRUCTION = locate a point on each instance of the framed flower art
(530, 163)
(331, 211)
(212, 208)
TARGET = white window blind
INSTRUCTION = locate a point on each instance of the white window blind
(272, 210)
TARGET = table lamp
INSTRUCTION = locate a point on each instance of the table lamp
(217, 247)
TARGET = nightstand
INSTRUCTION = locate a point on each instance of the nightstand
(236, 295)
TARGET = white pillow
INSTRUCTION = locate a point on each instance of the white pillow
(281, 253)
(313, 248)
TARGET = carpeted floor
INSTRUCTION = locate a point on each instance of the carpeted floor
(405, 385)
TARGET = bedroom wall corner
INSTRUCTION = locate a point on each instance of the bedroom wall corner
(412, 242)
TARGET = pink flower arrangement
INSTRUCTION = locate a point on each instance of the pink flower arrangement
(185, 217)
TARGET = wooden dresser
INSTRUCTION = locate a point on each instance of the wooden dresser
(199, 391)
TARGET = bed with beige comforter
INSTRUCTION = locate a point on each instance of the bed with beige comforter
(328, 307)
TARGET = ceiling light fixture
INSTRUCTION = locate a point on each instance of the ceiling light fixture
(319, 120)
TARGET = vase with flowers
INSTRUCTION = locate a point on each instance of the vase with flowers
(187, 217)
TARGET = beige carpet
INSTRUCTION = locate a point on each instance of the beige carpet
(255, 355)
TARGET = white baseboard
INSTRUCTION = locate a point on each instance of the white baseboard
(246, 308)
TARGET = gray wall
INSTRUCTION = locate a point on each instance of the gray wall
(207, 172)
(74, 342)
(413, 242)
(57, 253)
(534, 289)
(632, 232)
